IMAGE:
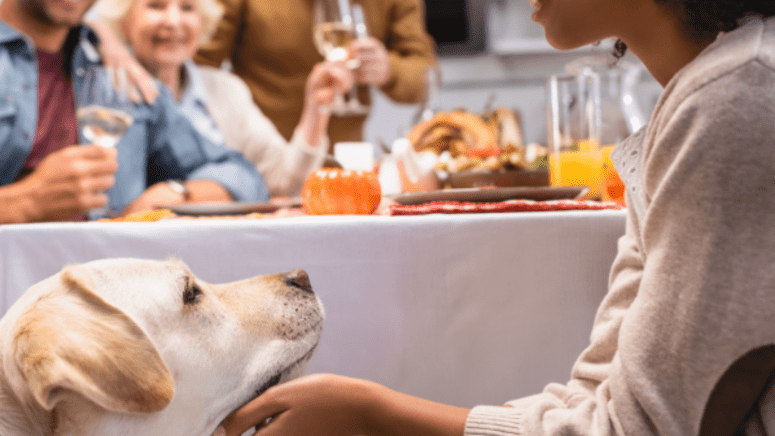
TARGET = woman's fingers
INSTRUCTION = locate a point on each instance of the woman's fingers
(142, 81)
(256, 412)
(341, 76)
(133, 81)
(331, 75)
(325, 97)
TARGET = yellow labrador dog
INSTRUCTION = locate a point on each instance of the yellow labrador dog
(136, 347)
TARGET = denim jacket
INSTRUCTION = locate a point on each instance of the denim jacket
(160, 144)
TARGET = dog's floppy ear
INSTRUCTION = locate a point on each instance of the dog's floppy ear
(71, 340)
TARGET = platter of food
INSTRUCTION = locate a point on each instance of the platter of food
(475, 150)
(491, 195)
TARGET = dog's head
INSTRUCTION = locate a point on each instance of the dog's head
(126, 346)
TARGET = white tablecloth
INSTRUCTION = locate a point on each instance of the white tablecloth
(465, 309)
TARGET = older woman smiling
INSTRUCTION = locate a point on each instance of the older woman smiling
(165, 34)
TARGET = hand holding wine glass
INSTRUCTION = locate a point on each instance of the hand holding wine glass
(369, 55)
(103, 113)
(333, 32)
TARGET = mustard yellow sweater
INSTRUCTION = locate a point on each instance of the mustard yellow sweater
(270, 46)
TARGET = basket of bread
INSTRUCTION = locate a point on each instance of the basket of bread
(478, 150)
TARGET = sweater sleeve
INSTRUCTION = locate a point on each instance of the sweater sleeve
(226, 34)
(178, 150)
(691, 288)
(284, 165)
(411, 51)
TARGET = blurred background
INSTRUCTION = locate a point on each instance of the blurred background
(492, 53)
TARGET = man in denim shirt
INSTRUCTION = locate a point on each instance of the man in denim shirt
(45, 175)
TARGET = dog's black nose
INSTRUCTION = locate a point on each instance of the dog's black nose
(298, 278)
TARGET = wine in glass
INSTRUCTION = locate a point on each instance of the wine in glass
(101, 125)
(334, 30)
(104, 113)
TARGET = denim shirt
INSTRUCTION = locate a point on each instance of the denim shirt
(160, 144)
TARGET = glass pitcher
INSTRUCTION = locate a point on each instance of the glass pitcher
(621, 114)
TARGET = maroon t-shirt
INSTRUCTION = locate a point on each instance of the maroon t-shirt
(57, 127)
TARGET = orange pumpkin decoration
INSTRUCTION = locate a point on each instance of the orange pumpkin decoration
(336, 191)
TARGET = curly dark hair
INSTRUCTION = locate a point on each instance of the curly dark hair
(704, 19)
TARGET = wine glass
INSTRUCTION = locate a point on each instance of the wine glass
(334, 30)
(103, 113)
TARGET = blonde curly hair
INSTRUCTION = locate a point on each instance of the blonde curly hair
(112, 13)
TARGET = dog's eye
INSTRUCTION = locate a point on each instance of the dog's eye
(191, 294)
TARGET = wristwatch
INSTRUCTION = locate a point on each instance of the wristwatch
(179, 187)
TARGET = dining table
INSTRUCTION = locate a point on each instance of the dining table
(465, 308)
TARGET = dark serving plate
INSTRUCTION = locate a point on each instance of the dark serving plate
(498, 179)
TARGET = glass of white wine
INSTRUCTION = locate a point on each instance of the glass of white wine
(103, 112)
(334, 30)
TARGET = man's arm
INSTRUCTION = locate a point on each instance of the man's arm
(115, 54)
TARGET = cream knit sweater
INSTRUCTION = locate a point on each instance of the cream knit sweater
(693, 285)
(285, 165)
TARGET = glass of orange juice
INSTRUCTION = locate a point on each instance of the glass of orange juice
(573, 124)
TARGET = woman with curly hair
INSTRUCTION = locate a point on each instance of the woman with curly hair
(688, 314)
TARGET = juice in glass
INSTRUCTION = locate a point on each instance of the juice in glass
(578, 166)
(613, 187)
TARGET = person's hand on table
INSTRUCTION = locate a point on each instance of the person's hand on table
(69, 182)
(158, 195)
(164, 194)
(374, 63)
(118, 58)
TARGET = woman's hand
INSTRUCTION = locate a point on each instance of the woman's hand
(371, 54)
(162, 194)
(332, 405)
(327, 80)
(320, 404)
(117, 57)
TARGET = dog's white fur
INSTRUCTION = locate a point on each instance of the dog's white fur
(119, 347)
